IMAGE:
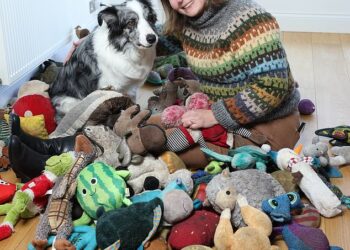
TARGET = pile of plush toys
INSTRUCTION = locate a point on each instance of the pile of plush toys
(102, 180)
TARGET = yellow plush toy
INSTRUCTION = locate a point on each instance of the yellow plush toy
(252, 237)
(33, 125)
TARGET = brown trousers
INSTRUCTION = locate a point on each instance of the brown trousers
(280, 133)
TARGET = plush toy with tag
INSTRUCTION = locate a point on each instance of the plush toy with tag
(99, 185)
(32, 197)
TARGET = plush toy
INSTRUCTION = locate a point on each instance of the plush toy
(81, 34)
(99, 107)
(128, 227)
(244, 157)
(32, 197)
(32, 125)
(340, 135)
(286, 179)
(4, 157)
(295, 235)
(254, 184)
(177, 203)
(318, 150)
(171, 93)
(171, 115)
(341, 156)
(4, 130)
(173, 161)
(32, 105)
(99, 185)
(33, 87)
(254, 236)
(141, 138)
(7, 191)
(57, 218)
(314, 188)
(156, 168)
(82, 237)
(197, 229)
(48, 71)
(214, 167)
(113, 149)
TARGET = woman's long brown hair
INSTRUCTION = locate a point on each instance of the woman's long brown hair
(175, 22)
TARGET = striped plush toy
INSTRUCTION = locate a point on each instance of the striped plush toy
(100, 185)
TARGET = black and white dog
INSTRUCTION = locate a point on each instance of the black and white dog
(119, 54)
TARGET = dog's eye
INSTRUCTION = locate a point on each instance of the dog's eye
(131, 24)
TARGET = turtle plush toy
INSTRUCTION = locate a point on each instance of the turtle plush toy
(100, 185)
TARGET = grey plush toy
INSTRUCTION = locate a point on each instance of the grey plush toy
(114, 150)
(318, 150)
(341, 156)
(255, 185)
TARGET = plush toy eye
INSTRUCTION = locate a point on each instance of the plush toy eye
(228, 192)
(93, 181)
(84, 191)
(4, 182)
(273, 203)
(292, 198)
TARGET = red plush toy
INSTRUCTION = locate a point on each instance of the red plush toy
(31, 105)
(199, 229)
(7, 191)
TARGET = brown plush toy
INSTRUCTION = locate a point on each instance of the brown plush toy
(172, 93)
(254, 236)
(141, 138)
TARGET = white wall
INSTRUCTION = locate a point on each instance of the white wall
(311, 15)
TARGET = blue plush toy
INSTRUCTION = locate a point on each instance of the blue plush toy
(296, 236)
(244, 157)
(279, 208)
(82, 237)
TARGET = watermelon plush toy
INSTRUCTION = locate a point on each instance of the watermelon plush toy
(100, 185)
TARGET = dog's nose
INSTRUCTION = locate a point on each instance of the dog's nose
(151, 38)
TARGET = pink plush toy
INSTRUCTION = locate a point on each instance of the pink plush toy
(171, 116)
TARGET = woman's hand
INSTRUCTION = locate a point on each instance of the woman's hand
(199, 118)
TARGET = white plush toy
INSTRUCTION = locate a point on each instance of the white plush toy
(325, 201)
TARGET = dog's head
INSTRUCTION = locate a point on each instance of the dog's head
(131, 22)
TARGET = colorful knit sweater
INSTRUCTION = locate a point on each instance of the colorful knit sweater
(236, 52)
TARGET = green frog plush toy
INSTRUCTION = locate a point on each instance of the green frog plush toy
(100, 185)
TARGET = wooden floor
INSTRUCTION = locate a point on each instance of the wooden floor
(321, 65)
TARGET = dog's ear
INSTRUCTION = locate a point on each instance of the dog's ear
(109, 15)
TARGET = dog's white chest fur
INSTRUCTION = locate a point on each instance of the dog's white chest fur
(124, 71)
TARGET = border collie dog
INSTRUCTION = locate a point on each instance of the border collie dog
(118, 54)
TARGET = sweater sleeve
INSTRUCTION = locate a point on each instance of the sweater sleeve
(263, 93)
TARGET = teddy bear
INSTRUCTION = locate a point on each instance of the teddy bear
(254, 236)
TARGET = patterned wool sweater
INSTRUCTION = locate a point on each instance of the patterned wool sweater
(236, 52)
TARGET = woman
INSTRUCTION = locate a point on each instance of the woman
(234, 48)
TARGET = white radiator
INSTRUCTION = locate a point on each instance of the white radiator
(31, 31)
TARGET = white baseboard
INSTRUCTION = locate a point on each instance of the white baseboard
(314, 23)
